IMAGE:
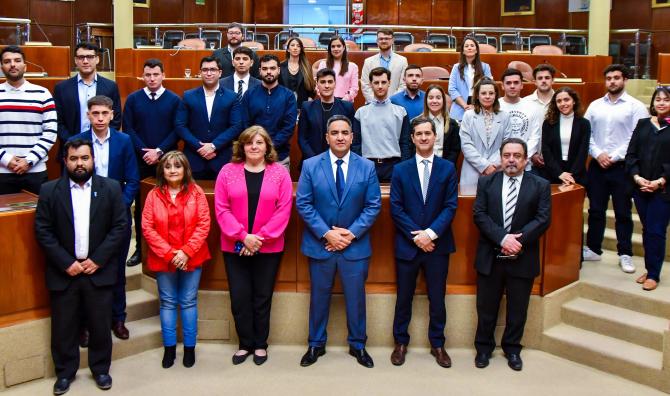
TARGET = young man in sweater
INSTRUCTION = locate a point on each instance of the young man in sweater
(27, 127)
(149, 120)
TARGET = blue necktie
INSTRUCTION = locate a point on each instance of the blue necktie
(240, 87)
(339, 179)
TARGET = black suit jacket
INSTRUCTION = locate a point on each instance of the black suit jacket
(66, 97)
(311, 136)
(578, 150)
(531, 219)
(226, 61)
(302, 94)
(54, 230)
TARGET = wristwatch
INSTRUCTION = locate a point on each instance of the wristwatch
(213, 146)
(30, 162)
(159, 151)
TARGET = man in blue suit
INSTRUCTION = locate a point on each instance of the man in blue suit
(424, 195)
(338, 198)
(315, 114)
(209, 119)
(241, 80)
(114, 157)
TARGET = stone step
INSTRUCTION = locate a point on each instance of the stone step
(624, 324)
(133, 278)
(610, 242)
(624, 293)
(140, 304)
(612, 355)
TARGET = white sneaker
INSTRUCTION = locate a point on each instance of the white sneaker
(590, 255)
(626, 264)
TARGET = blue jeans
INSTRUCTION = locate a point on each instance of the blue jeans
(179, 288)
(654, 214)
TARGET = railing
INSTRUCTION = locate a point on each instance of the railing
(19, 22)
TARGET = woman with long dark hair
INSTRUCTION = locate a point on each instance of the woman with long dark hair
(296, 73)
(464, 75)
(346, 73)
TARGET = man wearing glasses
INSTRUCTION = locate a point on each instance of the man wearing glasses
(225, 54)
(388, 59)
(209, 120)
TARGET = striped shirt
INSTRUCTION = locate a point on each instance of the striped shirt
(27, 125)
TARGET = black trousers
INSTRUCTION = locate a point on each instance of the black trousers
(11, 183)
(384, 169)
(81, 295)
(489, 293)
(435, 268)
(251, 281)
(205, 174)
(145, 171)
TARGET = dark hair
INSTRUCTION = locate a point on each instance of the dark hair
(325, 72)
(344, 62)
(515, 140)
(267, 58)
(544, 67)
(235, 25)
(87, 46)
(14, 49)
(378, 71)
(338, 117)
(100, 100)
(511, 72)
(617, 67)
(385, 31)
(244, 51)
(305, 67)
(181, 158)
(76, 143)
(422, 120)
(153, 62)
(246, 136)
(413, 67)
(210, 58)
(553, 114)
(445, 110)
(476, 64)
(665, 90)
(475, 95)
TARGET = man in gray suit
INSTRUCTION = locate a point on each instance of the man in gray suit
(385, 58)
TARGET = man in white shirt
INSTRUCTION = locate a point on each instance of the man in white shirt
(525, 118)
(240, 81)
(613, 118)
(543, 74)
(385, 58)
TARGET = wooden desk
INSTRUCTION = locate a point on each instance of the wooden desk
(663, 75)
(54, 59)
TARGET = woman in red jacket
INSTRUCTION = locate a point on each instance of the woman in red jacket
(175, 224)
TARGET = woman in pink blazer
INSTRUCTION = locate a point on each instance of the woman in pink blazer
(346, 80)
(252, 197)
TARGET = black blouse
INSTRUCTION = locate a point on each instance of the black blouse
(254, 182)
(649, 151)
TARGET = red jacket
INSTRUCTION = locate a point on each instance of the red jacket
(159, 229)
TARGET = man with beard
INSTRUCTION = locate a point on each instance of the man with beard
(273, 107)
(512, 210)
(315, 114)
(225, 54)
(543, 74)
(27, 127)
(411, 99)
(613, 118)
(385, 58)
(209, 120)
(81, 223)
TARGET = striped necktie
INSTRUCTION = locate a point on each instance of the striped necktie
(240, 91)
(510, 203)
(426, 178)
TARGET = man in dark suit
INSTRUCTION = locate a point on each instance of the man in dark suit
(338, 198)
(71, 96)
(225, 55)
(82, 261)
(512, 210)
(424, 196)
(314, 115)
(209, 120)
(240, 81)
(114, 158)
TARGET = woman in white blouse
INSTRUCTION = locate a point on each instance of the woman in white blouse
(464, 76)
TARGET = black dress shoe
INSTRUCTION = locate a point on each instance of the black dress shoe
(239, 359)
(362, 357)
(62, 385)
(103, 381)
(312, 355)
(482, 359)
(260, 359)
(514, 361)
(169, 355)
(135, 259)
(83, 337)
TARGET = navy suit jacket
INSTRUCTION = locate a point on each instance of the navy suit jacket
(122, 162)
(311, 136)
(226, 61)
(318, 205)
(66, 97)
(229, 83)
(224, 126)
(410, 213)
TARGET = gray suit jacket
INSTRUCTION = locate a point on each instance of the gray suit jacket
(477, 154)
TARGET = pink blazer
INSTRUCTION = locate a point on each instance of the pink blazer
(272, 214)
(346, 86)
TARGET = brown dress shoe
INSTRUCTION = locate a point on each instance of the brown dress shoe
(441, 357)
(649, 284)
(398, 355)
(120, 331)
(642, 278)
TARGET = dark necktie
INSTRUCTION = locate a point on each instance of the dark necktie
(510, 203)
(240, 85)
(339, 179)
(153, 96)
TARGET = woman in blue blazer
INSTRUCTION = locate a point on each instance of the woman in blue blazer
(464, 76)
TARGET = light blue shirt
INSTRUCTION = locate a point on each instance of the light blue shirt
(101, 153)
(86, 92)
(385, 62)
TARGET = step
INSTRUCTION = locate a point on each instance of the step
(133, 278)
(140, 304)
(624, 324)
(625, 293)
(610, 242)
(612, 355)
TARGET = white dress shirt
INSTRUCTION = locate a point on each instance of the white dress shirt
(420, 168)
(566, 122)
(209, 101)
(505, 190)
(345, 164)
(101, 153)
(469, 72)
(439, 130)
(81, 211)
(159, 92)
(245, 82)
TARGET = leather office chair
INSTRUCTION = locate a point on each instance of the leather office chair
(538, 39)
(171, 38)
(487, 49)
(418, 47)
(254, 45)
(434, 73)
(525, 69)
(547, 50)
(438, 40)
(192, 43)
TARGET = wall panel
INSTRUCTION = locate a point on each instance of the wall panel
(99, 11)
(448, 13)
(166, 11)
(230, 11)
(268, 11)
(194, 13)
(16, 8)
(49, 12)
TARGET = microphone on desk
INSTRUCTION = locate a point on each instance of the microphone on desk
(45, 43)
(42, 73)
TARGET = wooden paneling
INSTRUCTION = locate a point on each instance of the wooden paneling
(195, 13)
(141, 15)
(381, 12)
(49, 12)
(99, 11)
(414, 12)
(551, 14)
(268, 11)
(230, 11)
(16, 9)
(58, 35)
(627, 14)
(664, 69)
(447, 13)
(166, 11)
(54, 60)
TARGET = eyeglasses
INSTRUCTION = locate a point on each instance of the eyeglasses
(234, 33)
(86, 57)
(206, 70)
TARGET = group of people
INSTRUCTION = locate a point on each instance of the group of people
(236, 129)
